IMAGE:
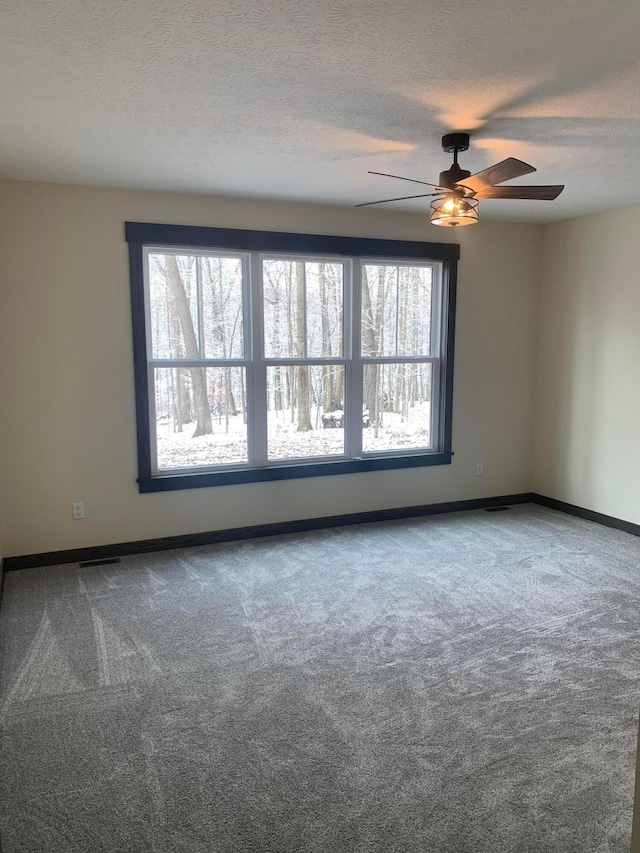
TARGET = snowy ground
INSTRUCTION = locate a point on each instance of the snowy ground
(180, 450)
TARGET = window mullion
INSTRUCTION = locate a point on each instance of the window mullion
(399, 359)
(397, 307)
(153, 431)
(188, 363)
(147, 306)
(304, 308)
(354, 403)
(436, 330)
(258, 415)
(436, 385)
(437, 334)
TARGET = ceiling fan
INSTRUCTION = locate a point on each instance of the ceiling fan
(456, 197)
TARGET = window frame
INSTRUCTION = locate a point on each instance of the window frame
(354, 252)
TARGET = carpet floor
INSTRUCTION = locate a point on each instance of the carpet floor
(456, 684)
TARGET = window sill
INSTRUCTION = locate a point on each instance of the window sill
(174, 482)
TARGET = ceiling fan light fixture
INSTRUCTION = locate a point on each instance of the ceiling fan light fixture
(457, 193)
(453, 211)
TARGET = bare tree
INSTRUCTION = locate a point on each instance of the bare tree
(370, 347)
(328, 384)
(304, 410)
(198, 374)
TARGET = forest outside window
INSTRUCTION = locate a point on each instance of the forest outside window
(265, 356)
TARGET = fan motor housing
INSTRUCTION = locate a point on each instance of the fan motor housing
(454, 175)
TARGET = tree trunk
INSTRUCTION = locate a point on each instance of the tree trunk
(399, 394)
(370, 347)
(277, 389)
(232, 409)
(338, 397)
(291, 385)
(328, 389)
(304, 413)
(198, 374)
(181, 399)
(243, 397)
(379, 331)
(180, 392)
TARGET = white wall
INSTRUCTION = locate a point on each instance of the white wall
(588, 404)
(66, 378)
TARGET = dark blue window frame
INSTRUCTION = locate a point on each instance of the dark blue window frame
(140, 235)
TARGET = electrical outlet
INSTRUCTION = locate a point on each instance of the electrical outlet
(479, 469)
(78, 511)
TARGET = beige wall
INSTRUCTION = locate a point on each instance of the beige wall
(587, 449)
(588, 405)
(67, 423)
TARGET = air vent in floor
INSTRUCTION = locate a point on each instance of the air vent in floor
(107, 562)
(497, 509)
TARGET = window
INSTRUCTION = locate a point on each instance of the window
(265, 355)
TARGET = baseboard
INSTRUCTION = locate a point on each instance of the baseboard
(190, 540)
(588, 514)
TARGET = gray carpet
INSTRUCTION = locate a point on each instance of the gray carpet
(458, 684)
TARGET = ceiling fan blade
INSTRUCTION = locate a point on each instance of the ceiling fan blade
(497, 174)
(402, 198)
(413, 180)
(547, 193)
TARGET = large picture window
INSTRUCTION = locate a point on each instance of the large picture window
(262, 355)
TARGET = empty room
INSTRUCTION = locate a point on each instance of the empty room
(319, 445)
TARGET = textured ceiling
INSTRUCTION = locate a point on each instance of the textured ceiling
(297, 99)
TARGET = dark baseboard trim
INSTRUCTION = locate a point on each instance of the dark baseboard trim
(213, 537)
(190, 540)
(588, 514)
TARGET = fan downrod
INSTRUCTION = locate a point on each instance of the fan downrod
(453, 143)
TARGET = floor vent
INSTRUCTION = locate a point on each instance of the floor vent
(497, 509)
(107, 562)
